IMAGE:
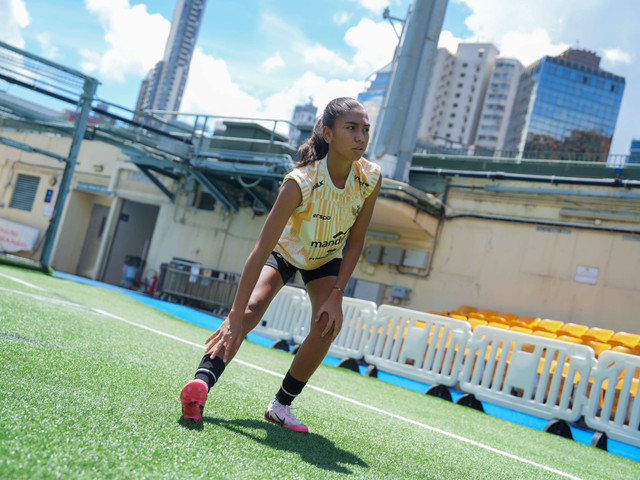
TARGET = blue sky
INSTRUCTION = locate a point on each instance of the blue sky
(262, 57)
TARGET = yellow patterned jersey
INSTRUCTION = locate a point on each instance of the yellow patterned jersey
(319, 227)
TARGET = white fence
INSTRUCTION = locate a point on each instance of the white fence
(536, 375)
(613, 407)
(421, 346)
(548, 378)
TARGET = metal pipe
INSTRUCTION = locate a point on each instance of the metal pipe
(495, 175)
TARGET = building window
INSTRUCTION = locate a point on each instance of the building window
(25, 192)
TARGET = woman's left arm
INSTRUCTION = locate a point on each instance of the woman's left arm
(350, 256)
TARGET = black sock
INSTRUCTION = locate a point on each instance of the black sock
(289, 390)
(209, 370)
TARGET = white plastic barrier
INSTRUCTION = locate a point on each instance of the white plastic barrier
(358, 318)
(285, 314)
(612, 406)
(420, 346)
(536, 375)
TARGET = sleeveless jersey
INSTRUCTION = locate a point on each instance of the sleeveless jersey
(318, 229)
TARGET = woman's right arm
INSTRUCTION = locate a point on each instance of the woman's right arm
(227, 338)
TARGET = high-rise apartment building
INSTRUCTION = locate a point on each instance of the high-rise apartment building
(375, 90)
(497, 105)
(634, 151)
(456, 94)
(565, 105)
(303, 116)
(163, 87)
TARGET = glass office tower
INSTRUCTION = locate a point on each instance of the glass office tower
(566, 108)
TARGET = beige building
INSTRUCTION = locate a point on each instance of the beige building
(569, 252)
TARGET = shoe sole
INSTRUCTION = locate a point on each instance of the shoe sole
(293, 428)
(193, 397)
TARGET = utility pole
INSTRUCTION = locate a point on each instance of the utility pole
(399, 118)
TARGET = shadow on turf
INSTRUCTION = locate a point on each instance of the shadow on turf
(312, 448)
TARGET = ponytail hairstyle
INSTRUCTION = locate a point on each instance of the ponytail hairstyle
(316, 148)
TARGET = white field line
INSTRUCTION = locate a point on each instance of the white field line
(22, 282)
(318, 389)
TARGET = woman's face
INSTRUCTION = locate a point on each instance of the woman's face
(349, 137)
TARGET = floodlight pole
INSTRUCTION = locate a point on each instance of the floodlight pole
(89, 91)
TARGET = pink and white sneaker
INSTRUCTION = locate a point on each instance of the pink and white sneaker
(193, 397)
(281, 414)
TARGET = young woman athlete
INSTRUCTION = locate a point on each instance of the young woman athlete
(317, 225)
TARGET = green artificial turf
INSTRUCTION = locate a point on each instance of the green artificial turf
(84, 395)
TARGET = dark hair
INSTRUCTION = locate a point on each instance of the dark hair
(315, 148)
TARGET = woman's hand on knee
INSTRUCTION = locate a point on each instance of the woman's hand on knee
(333, 310)
(225, 341)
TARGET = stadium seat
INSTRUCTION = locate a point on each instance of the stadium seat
(627, 350)
(466, 309)
(569, 338)
(509, 317)
(457, 316)
(572, 329)
(548, 325)
(597, 334)
(596, 346)
(497, 318)
(487, 312)
(474, 322)
(520, 329)
(478, 315)
(497, 325)
(624, 339)
(544, 333)
(525, 321)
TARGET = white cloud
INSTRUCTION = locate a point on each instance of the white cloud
(615, 55)
(49, 50)
(529, 47)
(210, 89)
(374, 44)
(340, 18)
(135, 39)
(324, 58)
(273, 63)
(13, 17)
(449, 41)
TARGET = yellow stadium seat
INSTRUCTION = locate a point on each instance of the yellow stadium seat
(525, 321)
(457, 316)
(487, 312)
(509, 317)
(477, 315)
(627, 350)
(474, 322)
(597, 334)
(569, 338)
(548, 325)
(624, 339)
(497, 318)
(544, 333)
(498, 325)
(520, 329)
(572, 329)
(466, 309)
(596, 346)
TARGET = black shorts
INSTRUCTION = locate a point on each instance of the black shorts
(287, 271)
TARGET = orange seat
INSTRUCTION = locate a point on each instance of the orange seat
(457, 316)
(544, 333)
(508, 316)
(569, 338)
(596, 346)
(624, 339)
(630, 351)
(520, 329)
(497, 318)
(572, 329)
(597, 334)
(466, 309)
(548, 325)
(474, 322)
(487, 312)
(477, 315)
(498, 325)
(525, 321)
